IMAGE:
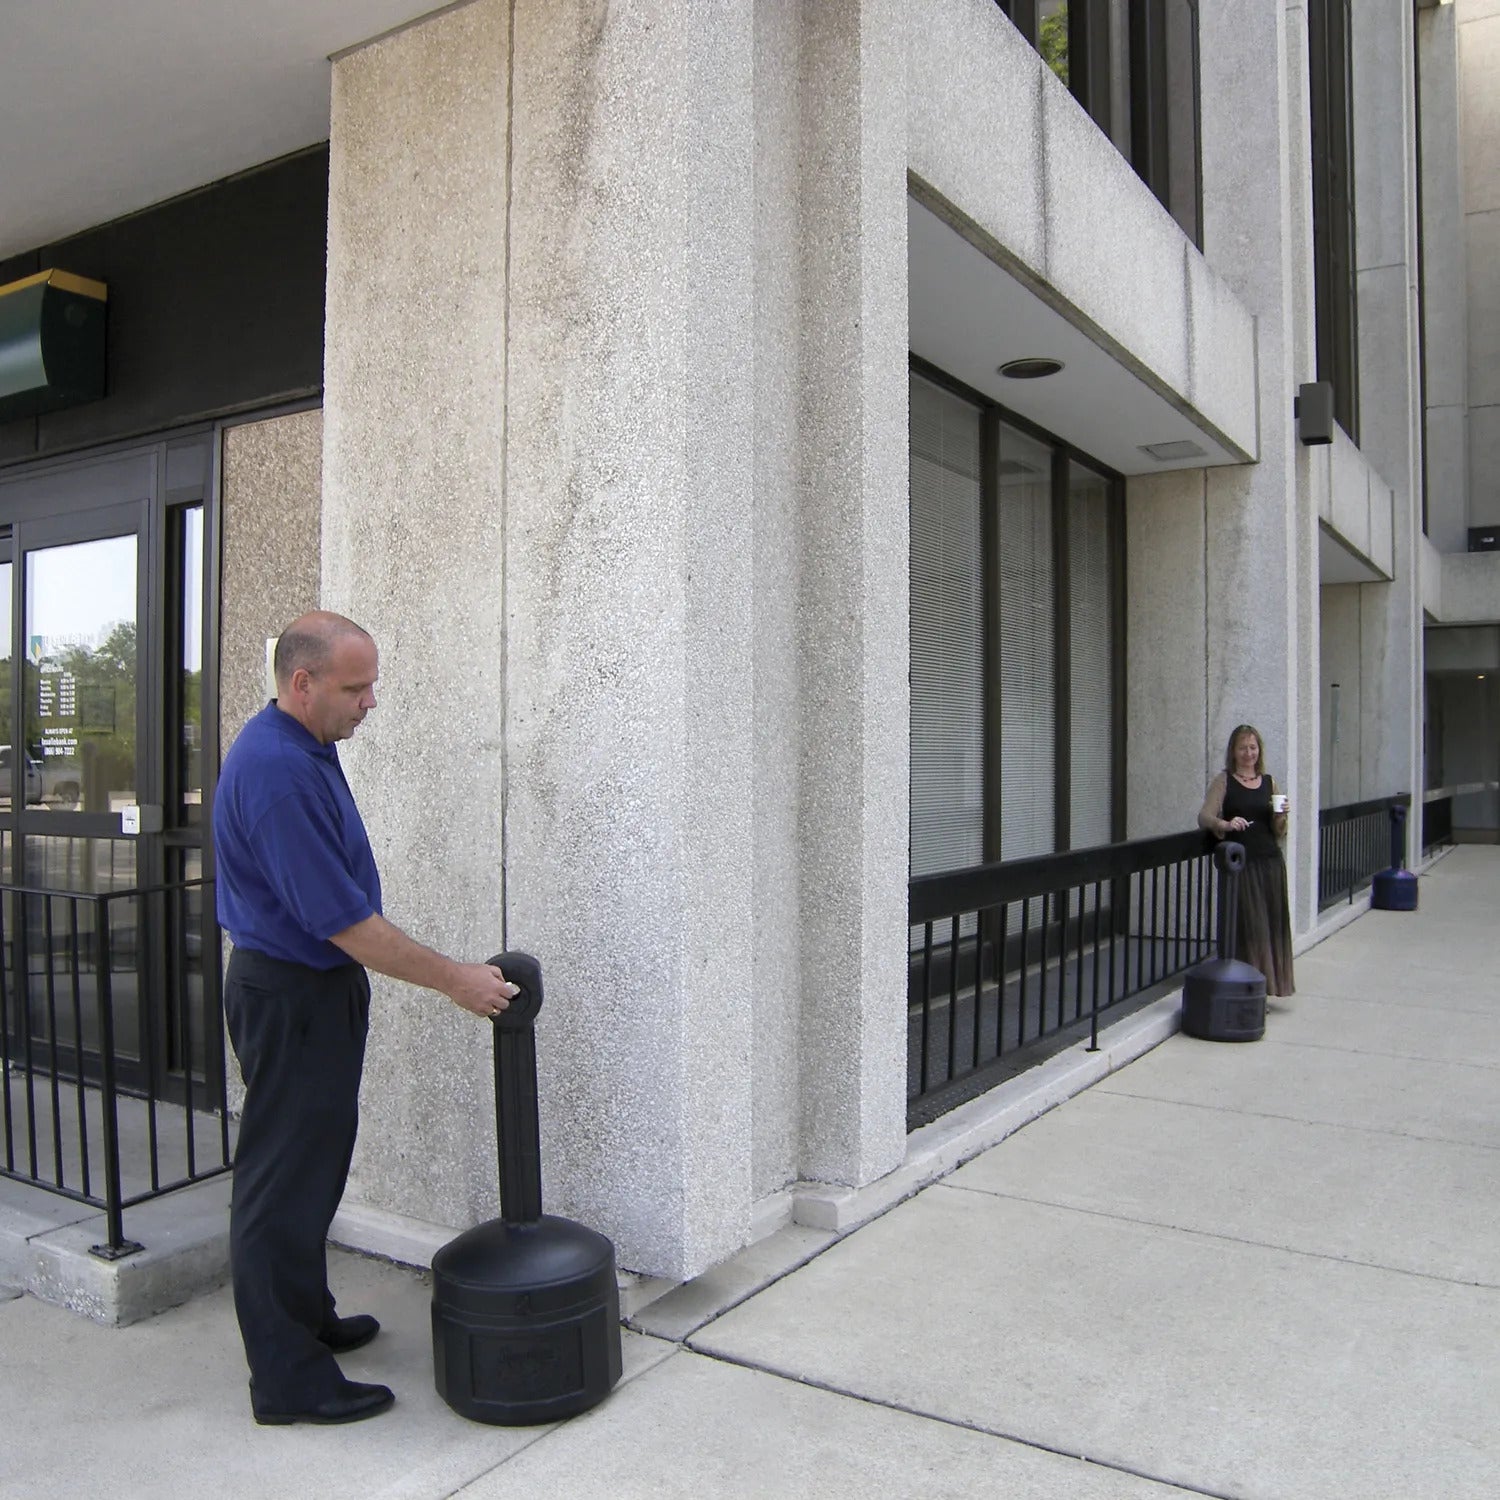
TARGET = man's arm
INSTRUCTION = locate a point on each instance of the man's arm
(380, 945)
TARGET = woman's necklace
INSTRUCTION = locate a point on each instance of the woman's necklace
(1245, 781)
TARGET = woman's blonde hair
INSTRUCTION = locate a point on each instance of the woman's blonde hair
(1238, 733)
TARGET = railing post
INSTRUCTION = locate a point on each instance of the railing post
(117, 1246)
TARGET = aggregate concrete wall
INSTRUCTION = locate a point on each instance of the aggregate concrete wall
(271, 493)
(776, 977)
(412, 532)
(270, 564)
(1259, 528)
(1166, 664)
(1384, 61)
(629, 479)
(855, 711)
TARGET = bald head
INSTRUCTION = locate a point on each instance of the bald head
(309, 641)
(326, 668)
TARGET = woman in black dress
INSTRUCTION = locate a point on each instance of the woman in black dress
(1238, 804)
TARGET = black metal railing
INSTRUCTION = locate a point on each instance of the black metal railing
(1008, 960)
(112, 1089)
(1437, 819)
(1354, 845)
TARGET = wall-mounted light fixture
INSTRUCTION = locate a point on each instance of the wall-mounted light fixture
(51, 343)
(1034, 368)
(1313, 409)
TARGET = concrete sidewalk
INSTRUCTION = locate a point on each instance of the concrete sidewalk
(1255, 1271)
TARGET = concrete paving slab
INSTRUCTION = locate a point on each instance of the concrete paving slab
(774, 1437)
(1428, 1207)
(1392, 1028)
(1385, 977)
(161, 1407)
(1400, 1096)
(1456, 945)
(694, 1303)
(1239, 1369)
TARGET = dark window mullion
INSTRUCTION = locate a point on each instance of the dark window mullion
(1330, 68)
(1062, 655)
(1117, 576)
(1088, 58)
(1023, 17)
(989, 503)
(1148, 114)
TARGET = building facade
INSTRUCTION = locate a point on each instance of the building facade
(781, 449)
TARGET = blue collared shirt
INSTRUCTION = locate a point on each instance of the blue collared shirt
(292, 858)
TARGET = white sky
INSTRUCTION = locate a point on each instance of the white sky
(80, 589)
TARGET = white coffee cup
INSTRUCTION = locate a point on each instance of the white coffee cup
(1278, 802)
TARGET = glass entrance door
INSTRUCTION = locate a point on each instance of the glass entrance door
(101, 713)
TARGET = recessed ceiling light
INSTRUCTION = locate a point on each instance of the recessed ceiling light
(1030, 369)
(1166, 452)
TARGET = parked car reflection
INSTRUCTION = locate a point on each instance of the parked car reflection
(33, 787)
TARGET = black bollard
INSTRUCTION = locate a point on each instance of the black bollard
(526, 1307)
(1395, 889)
(1223, 999)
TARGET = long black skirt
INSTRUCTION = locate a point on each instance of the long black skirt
(1264, 930)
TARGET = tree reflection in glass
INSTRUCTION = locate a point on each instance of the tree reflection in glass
(79, 673)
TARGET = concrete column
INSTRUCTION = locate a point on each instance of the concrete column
(776, 985)
(1389, 376)
(1165, 633)
(628, 585)
(852, 590)
(1257, 533)
(412, 529)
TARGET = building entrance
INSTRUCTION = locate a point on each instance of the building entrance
(106, 661)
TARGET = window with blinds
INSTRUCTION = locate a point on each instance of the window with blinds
(1091, 670)
(1013, 717)
(947, 633)
(1028, 733)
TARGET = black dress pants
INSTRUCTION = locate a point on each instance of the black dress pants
(299, 1034)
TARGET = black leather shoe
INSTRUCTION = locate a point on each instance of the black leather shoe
(350, 1333)
(353, 1403)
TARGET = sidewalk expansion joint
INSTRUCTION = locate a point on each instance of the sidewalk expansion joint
(1261, 1114)
(993, 1432)
(1228, 1239)
(1449, 1062)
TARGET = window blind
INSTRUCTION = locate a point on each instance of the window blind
(1091, 681)
(947, 633)
(1027, 749)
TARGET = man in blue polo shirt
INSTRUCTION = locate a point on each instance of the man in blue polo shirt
(299, 895)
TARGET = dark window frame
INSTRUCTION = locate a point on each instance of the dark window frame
(992, 414)
(1158, 117)
(1335, 276)
(1416, 40)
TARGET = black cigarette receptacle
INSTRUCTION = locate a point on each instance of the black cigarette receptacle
(526, 1307)
(1224, 998)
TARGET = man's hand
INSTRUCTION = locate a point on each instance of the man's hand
(480, 989)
